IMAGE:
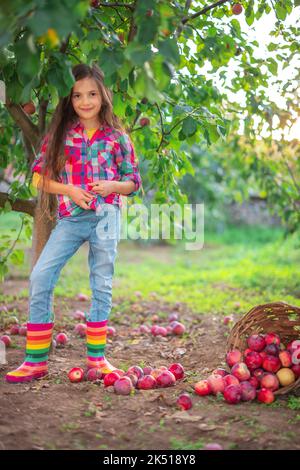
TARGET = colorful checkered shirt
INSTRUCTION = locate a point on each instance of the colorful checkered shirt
(108, 155)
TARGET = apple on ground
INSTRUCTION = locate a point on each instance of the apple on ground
(14, 330)
(165, 379)
(146, 382)
(23, 331)
(241, 371)
(270, 381)
(123, 386)
(177, 370)
(213, 446)
(110, 379)
(233, 357)
(82, 297)
(253, 360)
(178, 329)
(93, 374)
(173, 317)
(76, 374)
(230, 380)
(184, 401)
(6, 340)
(265, 395)
(216, 383)
(61, 339)
(233, 394)
(137, 370)
(203, 388)
(111, 331)
(220, 371)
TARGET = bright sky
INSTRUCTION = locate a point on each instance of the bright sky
(260, 31)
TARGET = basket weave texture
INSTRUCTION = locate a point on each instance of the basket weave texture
(275, 317)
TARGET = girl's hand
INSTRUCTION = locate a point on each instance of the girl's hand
(80, 196)
(103, 187)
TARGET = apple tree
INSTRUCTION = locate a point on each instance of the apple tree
(160, 59)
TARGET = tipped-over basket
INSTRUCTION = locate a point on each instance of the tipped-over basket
(275, 317)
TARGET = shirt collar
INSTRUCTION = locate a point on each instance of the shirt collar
(77, 126)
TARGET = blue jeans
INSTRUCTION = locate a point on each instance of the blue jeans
(102, 231)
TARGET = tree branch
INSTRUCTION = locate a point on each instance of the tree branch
(203, 11)
(19, 205)
(42, 115)
(131, 6)
(23, 122)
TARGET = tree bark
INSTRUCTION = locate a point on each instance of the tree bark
(41, 230)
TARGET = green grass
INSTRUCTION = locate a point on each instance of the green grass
(237, 269)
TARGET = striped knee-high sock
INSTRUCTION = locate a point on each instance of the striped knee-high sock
(39, 337)
(96, 333)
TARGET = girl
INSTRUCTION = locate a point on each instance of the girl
(88, 161)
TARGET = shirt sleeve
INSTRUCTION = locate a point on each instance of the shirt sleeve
(37, 165)
(127, 162)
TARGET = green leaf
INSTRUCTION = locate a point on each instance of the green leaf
(189, 126)
(17, 257)
(169, 49)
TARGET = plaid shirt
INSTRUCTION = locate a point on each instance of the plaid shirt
(108, 155)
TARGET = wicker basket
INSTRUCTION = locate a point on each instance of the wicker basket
(276, 317)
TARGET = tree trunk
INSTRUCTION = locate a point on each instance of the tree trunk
(41, 230)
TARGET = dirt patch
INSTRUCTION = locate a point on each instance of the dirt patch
(52, 413)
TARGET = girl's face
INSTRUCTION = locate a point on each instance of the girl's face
(86, 98)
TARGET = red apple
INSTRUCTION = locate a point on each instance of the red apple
(248, 391)
(178, 329)
(256, 342)
(6, 340)
(93, 374)
(76, 374)
(227, 320)
(263, 355)
(272, 338)
(111, 331)
(29, 107)
(285, 358)
(253, 360)
(247, 351)
(161, 331)
(293, 345)
(272, 349)
(23, 331)
(173, 317)
(241, 371)
(177, 370)
(233, 357)
(270, 381)
(134, 378)
(146, 382)
(230, 380)
(137, 370)
(155, 373)
(144, 122)
(202, 388)
(265, 396)
(82, 297)
(271, 364)
(237, 9)
(233, 394)
(213, 446)
(120, 372)
(184, 401)
(80, 329)
(254, 382)
(165, 379)
(220, 371)
(14, 330)
(94, 3)
(155, 330)
(79, 315)
(147, 370)
(61, 339)
(296, 370)
(216, 383)
(123, 386)
(109, 379)
(258, 373)
(145, 329)
(169, 330)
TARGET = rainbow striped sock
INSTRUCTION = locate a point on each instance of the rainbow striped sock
(96, 341)
(38, 343)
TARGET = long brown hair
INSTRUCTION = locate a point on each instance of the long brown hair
(63, 116)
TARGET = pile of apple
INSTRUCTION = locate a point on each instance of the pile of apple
(136, 377)
(174, 327)
(264, 367)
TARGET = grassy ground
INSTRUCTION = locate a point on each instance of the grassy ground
(236, 269)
